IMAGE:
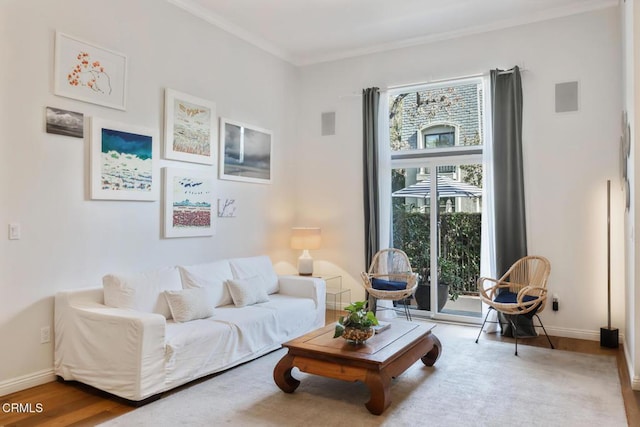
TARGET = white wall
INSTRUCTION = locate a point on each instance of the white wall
(69, 241)
(631, 103)
(568, 157)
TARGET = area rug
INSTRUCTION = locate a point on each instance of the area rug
(471, 384)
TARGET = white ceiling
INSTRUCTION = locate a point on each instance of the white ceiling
(310, 31)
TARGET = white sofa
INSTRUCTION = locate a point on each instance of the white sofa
(125, 339)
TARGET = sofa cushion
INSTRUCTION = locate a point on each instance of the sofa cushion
(212, 276)
(256, 328)
(198, 347)
(247, 291)
(189, 304)
(295, 315)
(142, 291)
(244, 268)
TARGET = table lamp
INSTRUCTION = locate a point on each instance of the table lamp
(305, 238)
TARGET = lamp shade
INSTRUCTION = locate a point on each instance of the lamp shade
(305, 238)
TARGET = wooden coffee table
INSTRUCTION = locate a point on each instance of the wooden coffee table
(383, 357)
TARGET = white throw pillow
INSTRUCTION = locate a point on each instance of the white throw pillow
(244, 268)
(189, 304)
(247, 291)
(212, 276)
(142, 291)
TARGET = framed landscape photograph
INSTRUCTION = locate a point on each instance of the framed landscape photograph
(123, 161)
(89, 73)
(245, 152)
(190, 128)
(188, 203)
(64, 122)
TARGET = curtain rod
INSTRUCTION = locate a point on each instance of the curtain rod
(452, 79)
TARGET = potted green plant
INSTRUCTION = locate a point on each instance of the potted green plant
(449, 276)
(449, 286)
(357, 326)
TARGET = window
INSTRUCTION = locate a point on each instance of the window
(436, 136)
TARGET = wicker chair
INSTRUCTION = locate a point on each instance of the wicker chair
(390, 277)
(521, 291)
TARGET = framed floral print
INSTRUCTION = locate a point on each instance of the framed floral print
(89, 73)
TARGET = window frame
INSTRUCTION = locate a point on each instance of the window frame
(442, 156)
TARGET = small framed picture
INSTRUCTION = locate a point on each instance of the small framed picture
(245, 152)
(64, 122)
(188, 203)
(190, 128)
(123, 161)
(89, 73)
(227, 208)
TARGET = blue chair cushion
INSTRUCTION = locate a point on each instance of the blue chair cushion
(387, 285)
(506, 297)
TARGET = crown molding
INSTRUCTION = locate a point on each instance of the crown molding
(231, 28)
(583, 7)
(305, 60)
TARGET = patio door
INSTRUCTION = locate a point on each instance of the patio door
(436, 220)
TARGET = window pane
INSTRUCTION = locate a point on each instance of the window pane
(431, 141)
(456, 244)
(447, 140)
(437, 117)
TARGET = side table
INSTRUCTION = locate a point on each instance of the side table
(336, 293)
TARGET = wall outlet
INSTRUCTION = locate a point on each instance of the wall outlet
(45, 334)
(14, 231)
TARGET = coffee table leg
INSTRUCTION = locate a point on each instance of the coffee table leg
(430, 358)
(282, 375)
(380, 388)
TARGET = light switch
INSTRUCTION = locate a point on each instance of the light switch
(14, 231)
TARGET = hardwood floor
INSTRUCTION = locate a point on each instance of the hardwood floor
(74, 404)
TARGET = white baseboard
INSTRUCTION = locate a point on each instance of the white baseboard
(26, 381)
(633, 379)
(581, 334)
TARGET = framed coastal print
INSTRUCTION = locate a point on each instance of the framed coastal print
(245, 152)
(188, 202)
(190, 128)
(89, 73)
(123, 161)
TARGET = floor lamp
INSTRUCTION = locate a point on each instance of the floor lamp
(609, 335)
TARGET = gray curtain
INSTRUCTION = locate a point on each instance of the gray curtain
(370, 100)
(510, 221)
(508, 180)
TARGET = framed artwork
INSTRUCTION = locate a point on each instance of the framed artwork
(623, 161)
(89, 73)
(123, 161)
(190, 128)
(245, 152)
(227, 208)
(188, 203)
(64, 122)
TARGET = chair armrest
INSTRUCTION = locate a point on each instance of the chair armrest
(539, 303)
(116, 350)
(489, 293)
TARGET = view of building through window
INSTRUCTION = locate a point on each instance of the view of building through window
(436, 137)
